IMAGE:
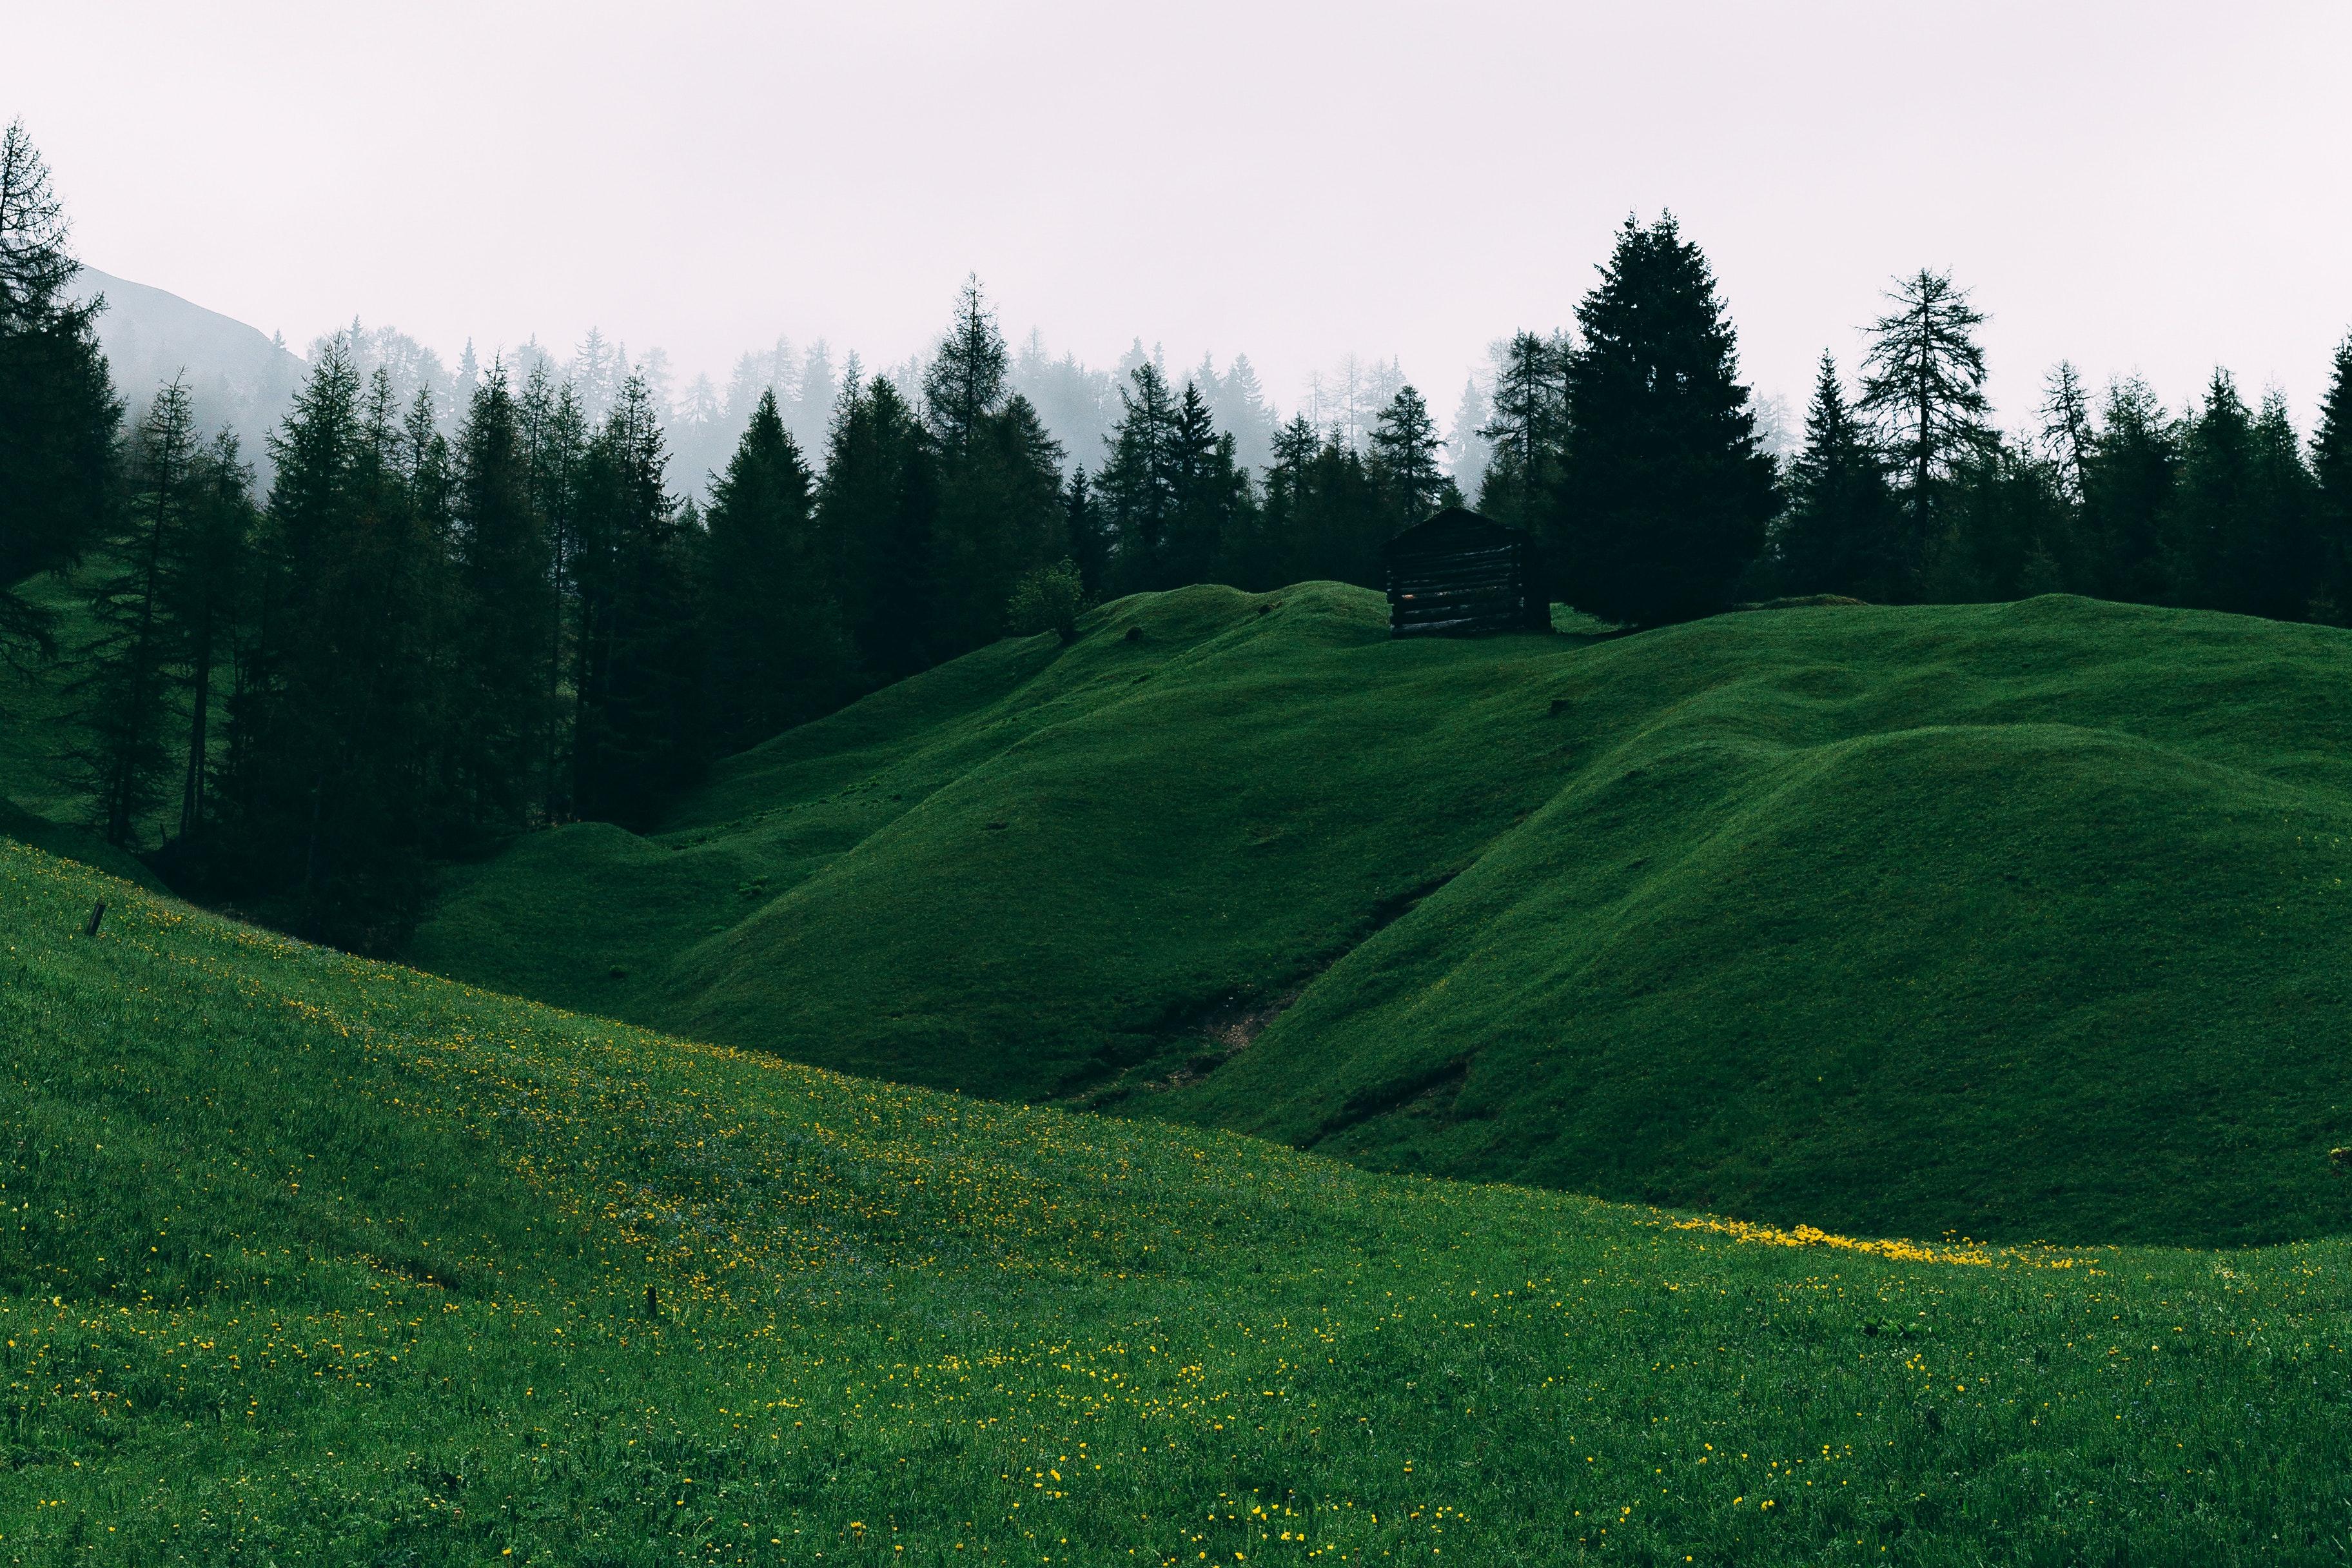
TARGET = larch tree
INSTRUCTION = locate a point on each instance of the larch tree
(1922, 381)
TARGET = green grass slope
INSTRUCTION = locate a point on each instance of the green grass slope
(306, 1260)
(2023, 922)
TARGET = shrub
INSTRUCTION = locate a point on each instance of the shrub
(1047, 598)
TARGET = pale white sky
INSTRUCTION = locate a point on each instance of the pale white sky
(2153, 185)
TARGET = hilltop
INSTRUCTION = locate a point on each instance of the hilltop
(2013, 921)
(312, 1260)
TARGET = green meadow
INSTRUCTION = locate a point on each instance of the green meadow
(2021, 922)
(312, 1260)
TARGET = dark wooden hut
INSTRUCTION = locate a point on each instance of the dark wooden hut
(1459, 574)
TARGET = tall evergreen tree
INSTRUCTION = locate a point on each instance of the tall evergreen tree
(1137, 481)
(965, 381)
(337, 723)
(2331, 470)
(123, 695)
(554, 436)
(1922, 381)
(772, 603)
(503, 559)
(2211, 538)
(1087, 539)
(1839, 534)
(1000, 517)
(877, 505)
(2284, 559)
(639, 733)
(2066, 433)
(1528, 430)
(206, 581)
(1664, 495)
(2129, 474)
(1210, 495)
(1405, 465)
(59, 413)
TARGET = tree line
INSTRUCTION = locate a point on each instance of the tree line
(433, 628)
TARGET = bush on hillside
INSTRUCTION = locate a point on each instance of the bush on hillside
(1047, 599)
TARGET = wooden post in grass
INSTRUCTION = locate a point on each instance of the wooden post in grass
(96, 913)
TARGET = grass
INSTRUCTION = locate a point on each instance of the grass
(2021, 921)
(309, 1259)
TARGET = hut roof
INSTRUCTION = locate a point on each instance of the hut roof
(1455, 528)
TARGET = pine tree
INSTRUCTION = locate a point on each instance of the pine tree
(1279, 546)
(1469, 449)
(1664, 495)
(59, 413)
(2331, 471)
(1087, 539)
(770, 603)
(1528, 430)
(1404, 464)
(1839, 534)
(1924, 381)
(502, 558)
(1136, 482)
(121, 696)
(1242, 412)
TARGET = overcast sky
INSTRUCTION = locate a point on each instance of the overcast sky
(2149, 185)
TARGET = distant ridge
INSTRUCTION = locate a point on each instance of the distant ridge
(240, 378)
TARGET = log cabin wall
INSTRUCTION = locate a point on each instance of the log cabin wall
(1460, 574)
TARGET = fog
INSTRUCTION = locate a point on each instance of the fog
(1345, 197)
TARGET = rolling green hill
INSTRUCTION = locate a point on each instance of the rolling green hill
(305, 1260)
(2022, 921)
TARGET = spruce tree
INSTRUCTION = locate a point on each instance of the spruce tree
(1839, 534)
(1278, 547)
(502, 558)
(2066, 434)
(123, 693)
(770, 604)
(1664, 495)
(2211, 534)
(1136, 482)
(2331, 471)
(965, 381)
(555, 443)
(59, 413)
(1210, 495)
(878, 506)
(2130, 475)
(2285, 556)
(1085, 538)
(1404, 464)
(638, 730)
(1922, 381)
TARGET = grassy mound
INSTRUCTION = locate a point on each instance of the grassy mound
(2023, 922)
(308, 1259)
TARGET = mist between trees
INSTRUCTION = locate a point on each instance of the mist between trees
(468, 604)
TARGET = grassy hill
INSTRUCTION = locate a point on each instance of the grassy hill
(309, 1259)
(2024, 921)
